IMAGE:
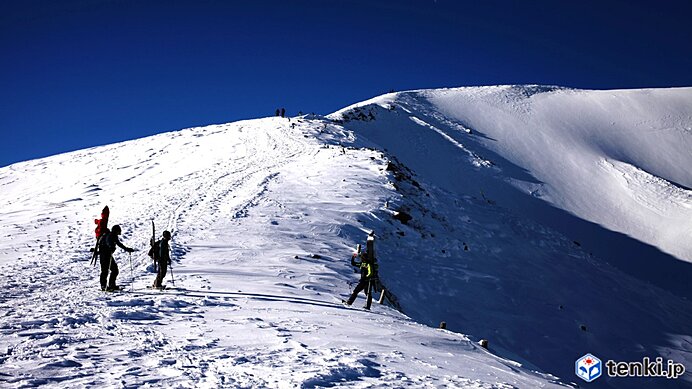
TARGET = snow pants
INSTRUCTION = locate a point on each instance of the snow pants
(163, 268)
(365, 284)
(108, 263)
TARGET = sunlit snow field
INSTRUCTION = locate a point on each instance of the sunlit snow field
(266, 213)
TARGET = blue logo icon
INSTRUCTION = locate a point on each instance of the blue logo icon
(588, 367)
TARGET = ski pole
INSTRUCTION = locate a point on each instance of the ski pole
(170, 263)
(110, 271)
(132, 274)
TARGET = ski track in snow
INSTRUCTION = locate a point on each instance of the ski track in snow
(248, 204)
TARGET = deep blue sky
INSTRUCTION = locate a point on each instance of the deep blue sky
(75, 74)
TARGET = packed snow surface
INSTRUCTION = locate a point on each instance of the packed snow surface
(552, 222)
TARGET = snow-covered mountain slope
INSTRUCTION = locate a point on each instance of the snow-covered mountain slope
(521, 183)
(617, 158)
(472, 229)
(608, 169)
(264, 218)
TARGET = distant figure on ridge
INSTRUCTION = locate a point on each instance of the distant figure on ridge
(283, 112)
(163, 257)
(107, 246)
(277, 112)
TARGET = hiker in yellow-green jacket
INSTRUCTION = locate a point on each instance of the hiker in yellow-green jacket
(368, 277)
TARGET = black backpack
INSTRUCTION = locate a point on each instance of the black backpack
(155, 250)
(104, 243)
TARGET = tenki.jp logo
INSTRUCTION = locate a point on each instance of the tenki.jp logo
(588, 367)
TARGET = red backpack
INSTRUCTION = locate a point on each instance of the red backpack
(102, 224)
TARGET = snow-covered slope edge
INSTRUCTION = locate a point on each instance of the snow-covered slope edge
(264, 217)
(618, 158)
(489, 264)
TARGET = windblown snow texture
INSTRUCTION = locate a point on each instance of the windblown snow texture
(473, 227)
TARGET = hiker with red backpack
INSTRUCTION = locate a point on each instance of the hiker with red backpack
(107, 246)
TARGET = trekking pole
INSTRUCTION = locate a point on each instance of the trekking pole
(132, 275)
(110, 263)
(170, 263)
